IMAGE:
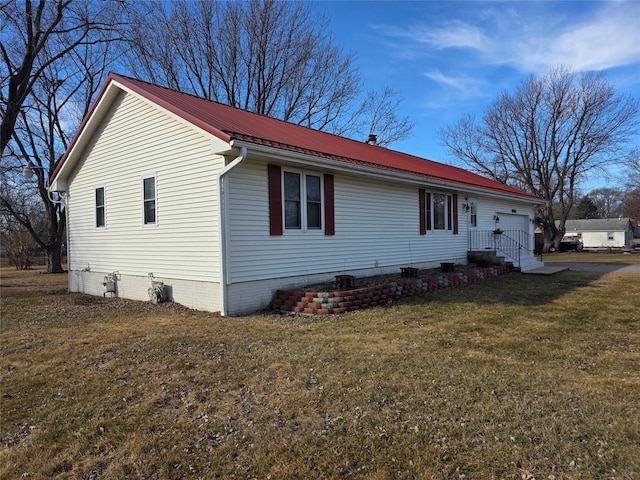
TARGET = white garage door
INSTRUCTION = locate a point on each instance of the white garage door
(509, 221)
(516, 223)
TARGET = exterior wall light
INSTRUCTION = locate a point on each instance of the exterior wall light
(28, 172)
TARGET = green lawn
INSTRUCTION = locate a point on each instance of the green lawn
(521, 377)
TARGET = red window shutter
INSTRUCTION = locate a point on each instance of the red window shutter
(329, 214)
(275, 199)
(422, 198)
(455, 213)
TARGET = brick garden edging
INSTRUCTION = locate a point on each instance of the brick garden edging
(336, 302)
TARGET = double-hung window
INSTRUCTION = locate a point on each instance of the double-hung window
(302, 201)
(314, 201)
(292, 200)
(149, 200)
(438, 211)
(101, 217)
(473, 213)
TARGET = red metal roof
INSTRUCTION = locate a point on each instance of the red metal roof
(229, 123)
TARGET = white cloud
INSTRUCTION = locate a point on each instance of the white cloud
(465, 85)
(607, 38)
(601, 38)
(455, 34)
(610, 40)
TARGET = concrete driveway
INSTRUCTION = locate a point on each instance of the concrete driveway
(597, 267)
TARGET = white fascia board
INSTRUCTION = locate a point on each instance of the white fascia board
(297, 158)
(59, 182)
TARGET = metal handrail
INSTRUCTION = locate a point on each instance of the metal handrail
(510, 243)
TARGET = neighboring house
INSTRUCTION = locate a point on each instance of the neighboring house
(601, 232)
(636, 230)
(225, 206)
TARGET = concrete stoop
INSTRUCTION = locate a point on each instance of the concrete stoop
(530, 263)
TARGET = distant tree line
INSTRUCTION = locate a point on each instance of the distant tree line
(615, 202)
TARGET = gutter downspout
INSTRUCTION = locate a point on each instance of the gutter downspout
(222, 229)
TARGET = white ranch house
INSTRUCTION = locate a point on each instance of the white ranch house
(224, 206)
(601, 232)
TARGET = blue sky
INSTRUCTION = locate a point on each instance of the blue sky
(446, 58)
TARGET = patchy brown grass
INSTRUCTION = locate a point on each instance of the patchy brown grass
(522, 377)
(616, 256)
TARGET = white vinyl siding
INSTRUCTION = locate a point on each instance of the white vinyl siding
(136, 139)
(604, 239)
(371, 229)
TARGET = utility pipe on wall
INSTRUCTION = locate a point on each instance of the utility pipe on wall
(222, 228)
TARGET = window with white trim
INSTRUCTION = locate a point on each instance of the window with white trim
(439, 211)
(302, 201)
(473, 213)
(149, 200)
(101, 214)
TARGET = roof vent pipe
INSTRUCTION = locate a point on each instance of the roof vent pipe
(373, 139)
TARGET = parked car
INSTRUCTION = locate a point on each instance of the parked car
(570, 244)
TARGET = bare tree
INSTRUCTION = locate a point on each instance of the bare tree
(378, 116)
(631, 182)
(57, 82)
(36, 36)
(17, 242)
(546, 137)
(270, 57)
(608, 201)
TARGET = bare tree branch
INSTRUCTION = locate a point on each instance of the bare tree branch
(54, 58)
(547, 136)
(270, 57)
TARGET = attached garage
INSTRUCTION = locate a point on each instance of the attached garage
(512, 221)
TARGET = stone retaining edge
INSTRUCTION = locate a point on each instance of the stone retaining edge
(337, 302)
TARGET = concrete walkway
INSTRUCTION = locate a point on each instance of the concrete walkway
(599, 267)
(546, 270)
(554, 267)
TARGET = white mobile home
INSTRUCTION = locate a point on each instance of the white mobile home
(224, 206)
